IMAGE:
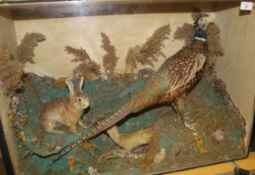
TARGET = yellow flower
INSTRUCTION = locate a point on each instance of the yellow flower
(22, 137)
(70, 161)
(241, 144)
(10, 118)
(200, 146)
(88, 145)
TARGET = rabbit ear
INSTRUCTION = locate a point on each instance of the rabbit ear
(80, 84)
(69, 84)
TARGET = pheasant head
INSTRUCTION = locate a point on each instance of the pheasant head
(200, 26)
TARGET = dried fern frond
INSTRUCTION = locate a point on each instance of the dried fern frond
(25, 51)
(149, 52)
(185, 33)
(11, 70)
(80, 54)
(109, 59)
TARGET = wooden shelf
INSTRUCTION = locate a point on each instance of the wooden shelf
(59, 9)
(223, 168)
(26, 3)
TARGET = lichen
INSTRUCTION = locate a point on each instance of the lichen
(204, 106)
(160, 156)
(109, 59)
(147, 53)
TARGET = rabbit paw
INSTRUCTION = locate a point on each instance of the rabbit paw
(73, 129)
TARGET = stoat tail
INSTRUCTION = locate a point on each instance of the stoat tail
(101, 126)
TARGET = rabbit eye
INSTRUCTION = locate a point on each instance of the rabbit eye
(79, 99)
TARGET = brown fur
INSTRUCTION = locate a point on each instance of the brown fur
(166, 85)
(170, 73)
(66, 111)
(129, 141)
(156, 90)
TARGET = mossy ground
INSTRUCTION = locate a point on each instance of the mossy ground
(206, 106)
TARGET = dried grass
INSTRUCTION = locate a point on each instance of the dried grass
(214, 47)
(109, 59)
(185, 33)
(149, 52)
(25, 51)
(213, 37)
(131, 59)
(80, 54)
(87, 68)
(196, 15)
(11, 70)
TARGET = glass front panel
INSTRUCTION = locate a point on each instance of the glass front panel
(125, 87)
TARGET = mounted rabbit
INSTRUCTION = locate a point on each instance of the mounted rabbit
(66, 111)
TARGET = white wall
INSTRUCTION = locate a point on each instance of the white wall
(237, 67)
(8, 36)
(124, 31)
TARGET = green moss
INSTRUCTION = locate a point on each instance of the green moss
(106, 97)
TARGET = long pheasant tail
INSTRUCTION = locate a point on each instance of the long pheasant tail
(111, 121)
(101, 126)
(64, 150)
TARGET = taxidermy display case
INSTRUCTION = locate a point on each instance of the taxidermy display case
(125, 87)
